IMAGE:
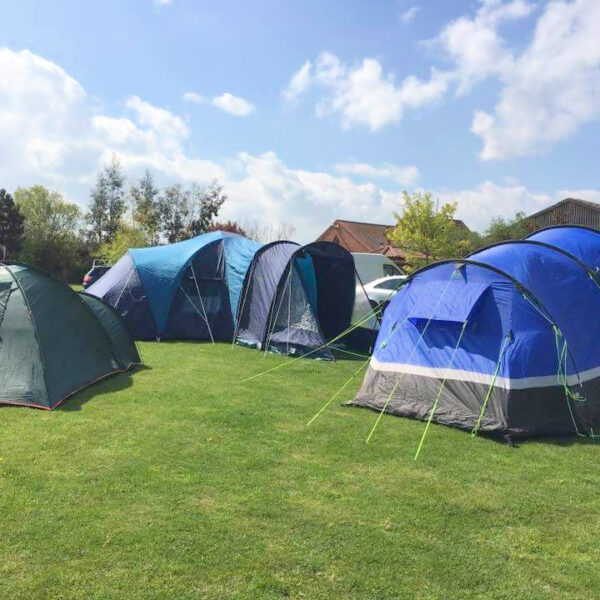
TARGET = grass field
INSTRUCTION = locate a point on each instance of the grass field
(181, 482)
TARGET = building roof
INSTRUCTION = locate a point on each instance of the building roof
(357, 236)
(585, 203)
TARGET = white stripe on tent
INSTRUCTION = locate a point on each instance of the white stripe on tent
(507, 383)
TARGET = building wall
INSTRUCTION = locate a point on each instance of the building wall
(566, 214)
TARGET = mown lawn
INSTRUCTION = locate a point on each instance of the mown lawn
(182, 482)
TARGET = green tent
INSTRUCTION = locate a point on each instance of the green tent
(53, 341)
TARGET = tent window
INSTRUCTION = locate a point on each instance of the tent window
(453, 303)
(5, 290)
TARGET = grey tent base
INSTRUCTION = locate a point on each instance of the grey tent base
(530, 412)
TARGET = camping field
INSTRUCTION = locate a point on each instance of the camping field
(181, 482)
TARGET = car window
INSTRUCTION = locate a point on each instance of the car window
(389, 270)
(390, 284)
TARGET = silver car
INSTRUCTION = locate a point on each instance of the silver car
(382, 290)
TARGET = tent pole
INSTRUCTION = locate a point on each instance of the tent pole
(289, 317)
(243, 304)
(123, 289)
(212, 339)
(274, 315)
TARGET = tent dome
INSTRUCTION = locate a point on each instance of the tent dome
(506, 340)
(297, 298)
(186, 290)
(53, 341)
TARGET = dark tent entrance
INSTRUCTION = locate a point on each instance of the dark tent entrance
(201, 308)
(296, 299)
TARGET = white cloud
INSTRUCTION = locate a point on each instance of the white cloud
(192, 98)
(549, 89)
(54, 134)
(474, 44)
(233, 105)
(408, 15)
(163, 2)
(477, 206)
(364, 96)
(310, 200)
(299, 82)
(405, 176)
(552, 89)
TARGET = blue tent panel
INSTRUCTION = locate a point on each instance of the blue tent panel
(578, 241)
(453, 301)
(172, 290)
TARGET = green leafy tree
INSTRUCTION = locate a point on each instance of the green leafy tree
(146, 207)
(186, 213)
(205, 204)
(125, 238)
(51, 238)
(428, 233)
(174, 211)
(11, 224)
(107, 204)
(501, 229)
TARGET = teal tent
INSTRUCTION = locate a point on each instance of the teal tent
(53, 341)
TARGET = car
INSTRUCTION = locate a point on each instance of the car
(382, 289)
(99, 267)
(372, 266)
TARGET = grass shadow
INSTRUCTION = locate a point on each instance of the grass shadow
(108, 385)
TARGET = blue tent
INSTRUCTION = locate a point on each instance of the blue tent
(296, 299)
(187, 290)
(505, 341)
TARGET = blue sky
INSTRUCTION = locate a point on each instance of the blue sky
(491, 104)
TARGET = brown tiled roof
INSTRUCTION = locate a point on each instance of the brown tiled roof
(356, 236)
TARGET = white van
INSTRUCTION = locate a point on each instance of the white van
(374, 266)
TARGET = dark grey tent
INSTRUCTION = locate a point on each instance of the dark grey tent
(297, 298)
(53, 341)
(259, 289)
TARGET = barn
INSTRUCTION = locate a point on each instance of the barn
(570, 211)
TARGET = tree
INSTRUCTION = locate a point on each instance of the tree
(501, 229)
(11, 224)
(428, 233)
(205, 204)
(125, 238)
(51, 237)
(174, 212)
(268, 232)
(187, 213)
(229, 226)
(146, 207)
(107, 204)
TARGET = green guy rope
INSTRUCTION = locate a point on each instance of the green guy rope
(335, 339)
(399, 378)
(491, 388)
(340, 390)
(439, 394)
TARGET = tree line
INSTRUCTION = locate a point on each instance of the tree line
(40, 227)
